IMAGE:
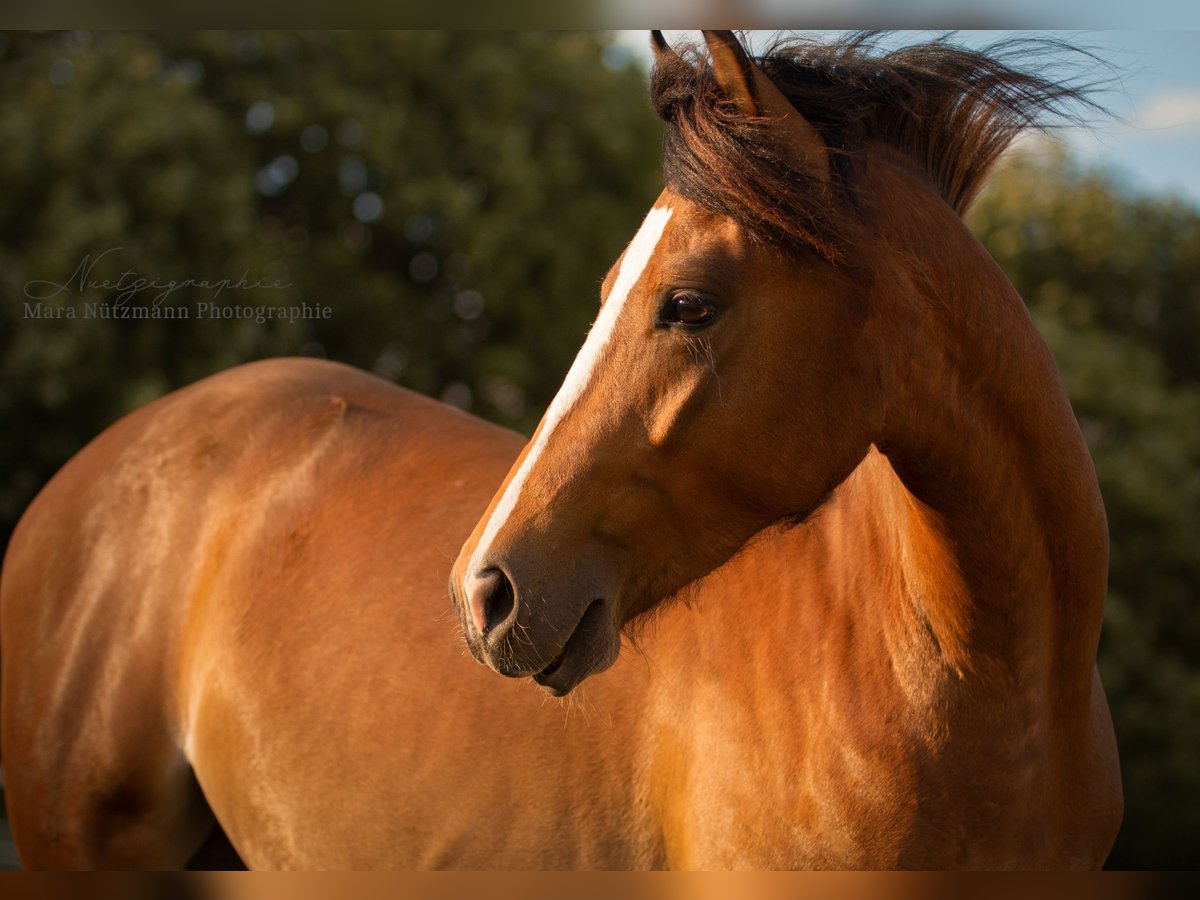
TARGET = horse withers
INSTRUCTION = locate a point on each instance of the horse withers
(813, 459)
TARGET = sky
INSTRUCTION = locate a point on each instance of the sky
(1153, 141)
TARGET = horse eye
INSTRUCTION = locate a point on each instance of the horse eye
(688, 309)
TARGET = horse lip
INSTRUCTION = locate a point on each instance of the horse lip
(554, 665)
(571, 666)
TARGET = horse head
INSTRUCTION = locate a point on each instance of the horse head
(728, 383)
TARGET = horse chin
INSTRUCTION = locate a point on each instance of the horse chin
(591, 648)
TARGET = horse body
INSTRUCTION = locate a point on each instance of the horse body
(233, 603)
(333, 727)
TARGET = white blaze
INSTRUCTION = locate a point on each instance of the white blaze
(637, 255)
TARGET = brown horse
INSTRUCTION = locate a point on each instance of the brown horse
(812, 408)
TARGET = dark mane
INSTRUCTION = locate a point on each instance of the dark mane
(951, 110)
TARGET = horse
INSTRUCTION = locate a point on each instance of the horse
(809, 542)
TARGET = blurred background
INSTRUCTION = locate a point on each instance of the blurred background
(455, 197)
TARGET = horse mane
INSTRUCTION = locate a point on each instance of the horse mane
(952, 111)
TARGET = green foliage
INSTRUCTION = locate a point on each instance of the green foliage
(1114, 285)
(453, 198)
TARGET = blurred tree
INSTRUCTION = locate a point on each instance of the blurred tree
(1113, 282)
(454, 198)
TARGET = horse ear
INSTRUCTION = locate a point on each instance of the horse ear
(661, 47)
(755, 94)
(733, 70)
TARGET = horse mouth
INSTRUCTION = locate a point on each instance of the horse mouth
(588, 649)
(554, 666)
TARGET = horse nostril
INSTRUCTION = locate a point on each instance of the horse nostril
(491, 598)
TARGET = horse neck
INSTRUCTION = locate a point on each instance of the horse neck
(1006, 543)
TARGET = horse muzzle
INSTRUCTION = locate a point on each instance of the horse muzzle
(558, 645)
